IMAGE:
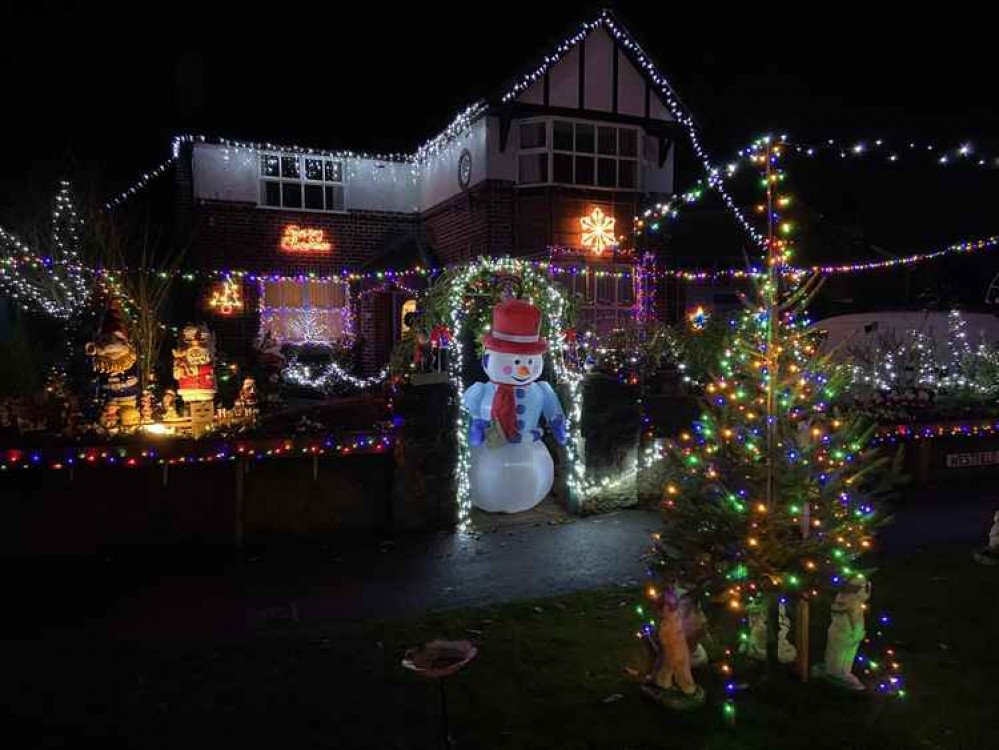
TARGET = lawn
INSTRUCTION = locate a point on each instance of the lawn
(552, 673)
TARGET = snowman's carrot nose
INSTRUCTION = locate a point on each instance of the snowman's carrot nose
(523, 371)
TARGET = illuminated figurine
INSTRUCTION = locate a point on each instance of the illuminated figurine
(194, 371)
(193, 364)
(990, 555)
(671, 682)
(246, 400)
(114, 358)
(846, 631)
(271, 359)
(756, 646)
(169, 406)
(511, 469)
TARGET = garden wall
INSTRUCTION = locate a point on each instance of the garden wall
(93, 509)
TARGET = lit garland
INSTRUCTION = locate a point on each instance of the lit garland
(880, 149)
(298, 374)
(457, 128)
(167, 453)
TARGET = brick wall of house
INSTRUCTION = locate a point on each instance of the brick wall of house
(242, 235)
(547, 216)
(476, 222)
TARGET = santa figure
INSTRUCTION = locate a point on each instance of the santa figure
(193, 367)
(511, 468)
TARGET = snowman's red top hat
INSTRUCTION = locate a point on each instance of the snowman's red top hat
(516, 329)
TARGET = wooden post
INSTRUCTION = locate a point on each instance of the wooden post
(801, 640)
(315, 468)
(238, 515)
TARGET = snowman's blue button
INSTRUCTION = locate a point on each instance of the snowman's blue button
(521, 408)
(520, 424)
(520, 393)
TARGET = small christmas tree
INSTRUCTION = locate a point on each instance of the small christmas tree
(769, 493)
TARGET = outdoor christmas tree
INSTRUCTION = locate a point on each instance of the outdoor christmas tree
(769, 496)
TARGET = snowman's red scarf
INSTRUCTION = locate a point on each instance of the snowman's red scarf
(504, 409)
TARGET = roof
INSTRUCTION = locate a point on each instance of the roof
(461, 122)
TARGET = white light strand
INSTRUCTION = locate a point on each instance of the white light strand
(332, 374)
(56, 284)
(672, 101)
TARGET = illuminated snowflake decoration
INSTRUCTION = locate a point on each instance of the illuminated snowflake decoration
(598, 231)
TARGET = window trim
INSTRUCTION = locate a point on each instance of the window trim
(302, 181)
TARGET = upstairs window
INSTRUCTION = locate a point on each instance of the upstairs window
(302, 182)
(566, 152)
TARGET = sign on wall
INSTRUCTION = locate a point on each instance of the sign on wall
(967, 460)
(299, 239)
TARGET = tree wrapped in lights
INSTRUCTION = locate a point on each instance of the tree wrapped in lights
(770, 494)
(47, 272)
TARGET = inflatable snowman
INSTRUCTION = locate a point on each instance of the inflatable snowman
(511, 469)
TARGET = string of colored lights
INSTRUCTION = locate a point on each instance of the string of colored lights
(918, 431)
(170, 453)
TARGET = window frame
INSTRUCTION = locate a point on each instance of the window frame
(596, 155)
(302, 181)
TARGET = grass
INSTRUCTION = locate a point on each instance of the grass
(554, 673)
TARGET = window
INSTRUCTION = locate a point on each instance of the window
(305, 312)
(313, 183)
(578, 153)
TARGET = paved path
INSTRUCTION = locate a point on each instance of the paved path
(227, 598)
(392, 579)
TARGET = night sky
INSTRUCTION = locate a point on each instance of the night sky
(96, 95)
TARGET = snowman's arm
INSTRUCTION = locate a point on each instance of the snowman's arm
(472, 400)
(552, 409)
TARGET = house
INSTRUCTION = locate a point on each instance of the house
(554, 164)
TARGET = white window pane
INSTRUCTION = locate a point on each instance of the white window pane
(628, 142)
(627, 174)
(532, 134)
(562, 135)
(313, 169)
(562, 168)
(334, 198)
(533, 168)
(607, 172)
(290, 167)
(269, 165)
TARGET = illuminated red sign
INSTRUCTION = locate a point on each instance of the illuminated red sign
(298, 239)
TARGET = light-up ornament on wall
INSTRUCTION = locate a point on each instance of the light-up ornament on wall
(698, 318)
(298, 239)
(227, 298)
(598, 231)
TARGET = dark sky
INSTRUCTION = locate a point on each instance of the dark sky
(96, 94)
